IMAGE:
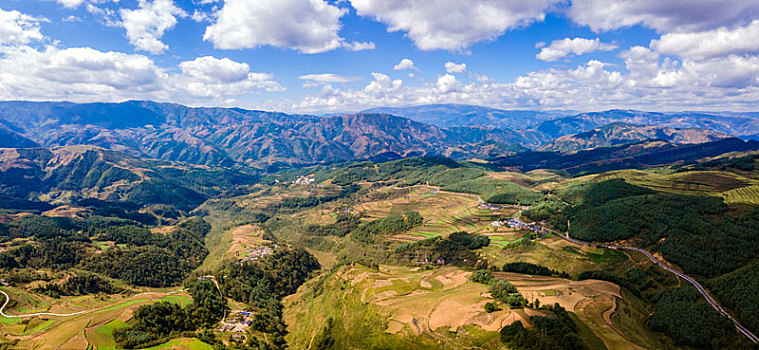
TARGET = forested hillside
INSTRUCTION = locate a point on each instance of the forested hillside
(375, 239)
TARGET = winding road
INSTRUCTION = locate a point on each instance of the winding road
(677, 273)
(8, 299)
(685, 277)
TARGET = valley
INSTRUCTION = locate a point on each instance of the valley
(595, 241)
(379, 175)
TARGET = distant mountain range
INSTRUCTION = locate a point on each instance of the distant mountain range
(451, 115)
(234, 137)
(231, 136)
(627, 156)
(621, 133)
(738, 124)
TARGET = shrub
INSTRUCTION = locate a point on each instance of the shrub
(481, 276)
(491, 306)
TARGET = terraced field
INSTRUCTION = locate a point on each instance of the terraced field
(444, 213)
(733, 187)
(397, 303)
(748, 195)
(80, 331)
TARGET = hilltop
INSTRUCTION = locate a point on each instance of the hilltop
(619, 133)
(234, 137)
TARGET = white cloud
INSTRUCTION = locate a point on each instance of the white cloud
(105, 15)
(212, 69)
(218, 79)
(577, 46)
(70, 3)
(199, 16)
(452, 24)
(18, 28)
(448, 83)
(451, 67)
(711, 43)
(89, 75)
(663, 16)
(649, 82)
(359, 46)
(308, 26)
(405, 64)
(76, 73)
(329, 78)
(146, 25)
(71, 18)
(382, 84)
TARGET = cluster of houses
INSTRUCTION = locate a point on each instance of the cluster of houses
(255, 253)
(518, 224)
(304, 180)
(237, 323)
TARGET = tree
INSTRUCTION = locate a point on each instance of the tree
(491, 306)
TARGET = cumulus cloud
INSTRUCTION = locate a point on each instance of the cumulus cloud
(146, 25)
(105, 15)
(712, 43)
(71, 18)
(452, 24)
(706, 51)
(212, 69)
(663, 16)
(199, 16)
(650, 81)
(87, 75)
(382, 84)
(214, 78)
(405, 64)
(448, 83)
(75, 73)
(358, 45)
(70, 3)
(577, 46)
(308, 26)
(329, 78)
(18, 28)
(451, 67)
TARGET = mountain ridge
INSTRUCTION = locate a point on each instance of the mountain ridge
(226, 137)
(622, 133)
(236, 137)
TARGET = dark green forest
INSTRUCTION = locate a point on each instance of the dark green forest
(702, 235)
(549, 333)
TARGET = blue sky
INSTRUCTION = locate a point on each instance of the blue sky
(316, 56)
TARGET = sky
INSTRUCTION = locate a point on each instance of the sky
(316, 56)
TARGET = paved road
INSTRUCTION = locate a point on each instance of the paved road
(690, 280)
(213, 278)
(8, 299)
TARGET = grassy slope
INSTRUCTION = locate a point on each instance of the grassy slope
(344, 297)
(732, 186)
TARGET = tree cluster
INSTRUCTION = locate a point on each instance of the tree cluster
(532, 269)
(550, 333)
(81, 284)
(436, 250)
(344, 224)
(154, 323)
(393, 224)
